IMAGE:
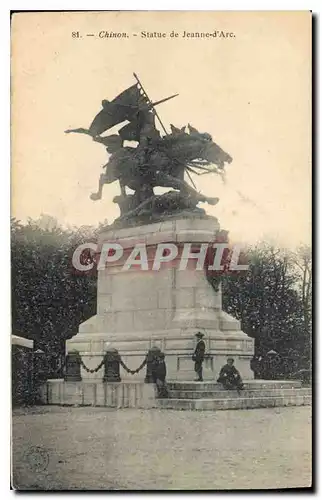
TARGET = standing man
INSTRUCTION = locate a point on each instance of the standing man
(198, 356)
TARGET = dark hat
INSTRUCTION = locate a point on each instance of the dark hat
(230, 358)
(199, 335)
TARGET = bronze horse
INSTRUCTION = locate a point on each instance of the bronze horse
(162, 164)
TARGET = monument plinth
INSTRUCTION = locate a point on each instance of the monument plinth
(138, 309)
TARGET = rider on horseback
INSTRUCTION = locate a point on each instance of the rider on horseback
(156, 161)
(148, 137)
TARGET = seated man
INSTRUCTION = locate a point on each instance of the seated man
(230, 377)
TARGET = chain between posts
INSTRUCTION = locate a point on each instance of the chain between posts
(128, 370)
(95, 369)
(142, 365)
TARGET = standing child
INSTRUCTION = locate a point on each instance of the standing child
(160, 374)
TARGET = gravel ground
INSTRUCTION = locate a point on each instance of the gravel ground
(57, 448)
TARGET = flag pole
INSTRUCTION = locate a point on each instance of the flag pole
(154, 110)
(158, 117)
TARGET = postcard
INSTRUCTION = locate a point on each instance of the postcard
(161, 250)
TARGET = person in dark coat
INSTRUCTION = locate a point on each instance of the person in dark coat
(272, 365)
(230, 377)
(256, 366)
(198, 356)
(159, 374)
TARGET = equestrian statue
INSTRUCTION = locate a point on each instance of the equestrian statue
(156, 161)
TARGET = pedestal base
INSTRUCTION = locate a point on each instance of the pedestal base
(181, 395)
(177, 346)
(138, 309)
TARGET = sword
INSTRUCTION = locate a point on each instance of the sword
(163, 100)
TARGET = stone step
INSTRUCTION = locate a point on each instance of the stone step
(233, 403)
(248, 393)
(249, 385)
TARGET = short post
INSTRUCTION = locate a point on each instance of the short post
(73, 367)
(112, 366)
(152, 357)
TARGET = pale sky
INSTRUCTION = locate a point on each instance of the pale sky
(252, 92)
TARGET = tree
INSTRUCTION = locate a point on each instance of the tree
(302, 259)
(267, 301)
(49, 300)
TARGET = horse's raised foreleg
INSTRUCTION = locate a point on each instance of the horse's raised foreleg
(98, 195)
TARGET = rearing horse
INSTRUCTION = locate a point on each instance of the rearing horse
(163, 164)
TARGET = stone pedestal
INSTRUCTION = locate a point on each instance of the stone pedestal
(138, 309)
